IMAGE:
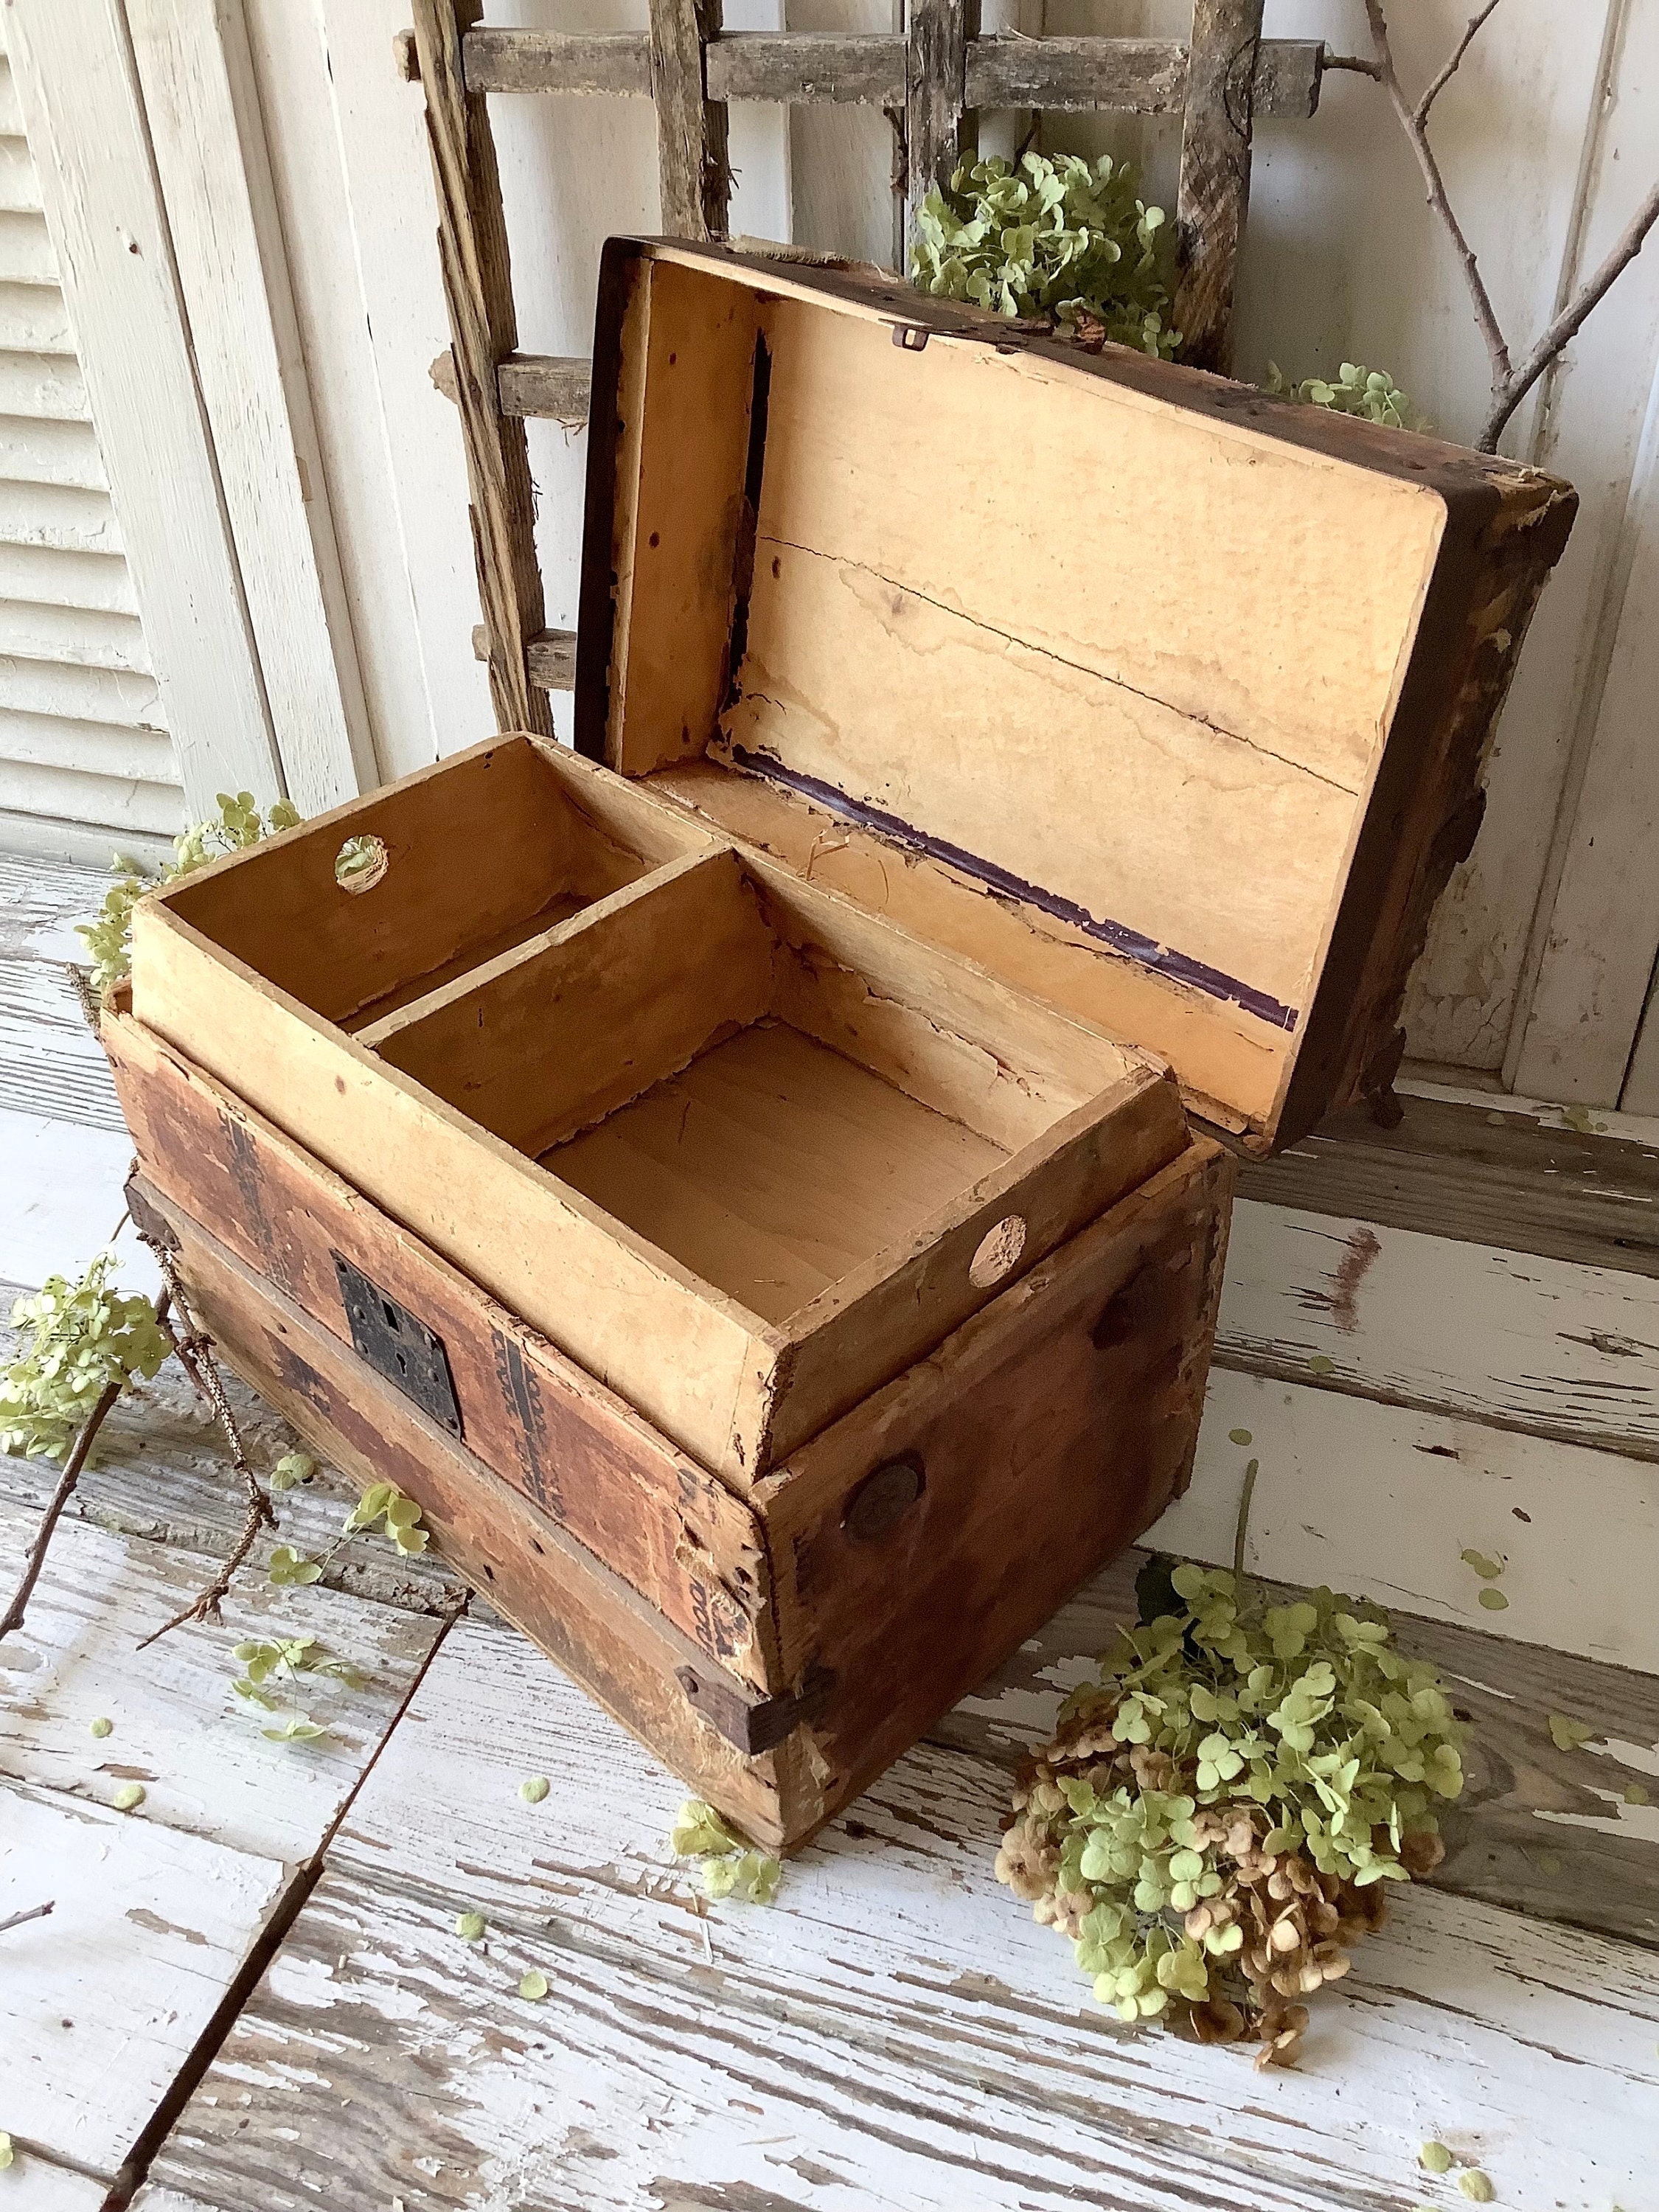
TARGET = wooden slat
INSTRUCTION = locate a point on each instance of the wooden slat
(1215, 174)
(551, 657)
(1513, 1341)
(50, 1061)
(102, 2005)
(800, 68)
(33, 319)
(557, 61)
(43, 384)
(547, 387)
(58, 576)
(897, 2030)
(1379, 1498)
(478, 291)
(935, 93)
(99, 749)
(60, 515)
(1479, 1173)
(692, 174)
(1139, 76)
(76, 636)
(199, 1752)
(162, 1475)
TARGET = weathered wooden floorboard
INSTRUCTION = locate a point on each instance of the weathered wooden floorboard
(1546, 1831)
(40, 901)
(179, 1729)
(60, 1197)
(103, 2003)
(52, 2187)
(897, 2031)
(1385, 1499)
(1508, 1339)
(1487, 1171)
(50, 1061)
(161, 1474)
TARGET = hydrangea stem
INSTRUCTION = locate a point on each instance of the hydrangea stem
(65, 1490)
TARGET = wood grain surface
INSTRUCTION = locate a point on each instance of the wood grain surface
(896, 2030)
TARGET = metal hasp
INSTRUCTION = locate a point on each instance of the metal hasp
(399, 1346)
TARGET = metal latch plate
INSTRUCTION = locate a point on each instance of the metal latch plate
(398, 1345)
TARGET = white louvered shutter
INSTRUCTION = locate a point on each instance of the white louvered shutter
(87, 767)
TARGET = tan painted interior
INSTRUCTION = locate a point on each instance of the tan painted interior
(483, 852)
(1139, 660)
(767, 1084)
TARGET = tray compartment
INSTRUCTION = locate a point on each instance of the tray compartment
(494, 848)
(709, 1061)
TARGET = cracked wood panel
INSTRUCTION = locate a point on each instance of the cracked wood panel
(1385, 1498)
(103, 2003)
(1545, 1831)
(897, 2030)
(1505, 1338)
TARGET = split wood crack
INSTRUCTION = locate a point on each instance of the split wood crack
(1060, 660)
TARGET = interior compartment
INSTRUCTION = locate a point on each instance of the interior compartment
(766, 1084)
(455, 867)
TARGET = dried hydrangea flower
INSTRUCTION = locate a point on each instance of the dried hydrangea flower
(1217, 1820)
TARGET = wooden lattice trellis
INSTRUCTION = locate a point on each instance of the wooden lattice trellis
(931, 79)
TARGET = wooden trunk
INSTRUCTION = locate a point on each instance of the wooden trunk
(863, 1587)
(737, 1176)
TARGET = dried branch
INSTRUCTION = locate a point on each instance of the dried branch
(61, 1495)
(194, 1348)
(1440, 83)
(1567, 325)
(1509, 383)
(21, 1919)
(1411, 124)
(88, 1001)
(1241, 1526)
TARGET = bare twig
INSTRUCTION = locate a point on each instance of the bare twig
(1410, 123)
(1241, 1527)
(61, 1495)
(1438, 84)
(1567, 325)
(1357, 62)
(195, 1350)
(90, 1003)
(21, 1919)
(1510, 382)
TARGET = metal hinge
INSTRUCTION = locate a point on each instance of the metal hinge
(754, 1725)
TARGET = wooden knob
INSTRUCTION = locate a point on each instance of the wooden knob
(882, 1500)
